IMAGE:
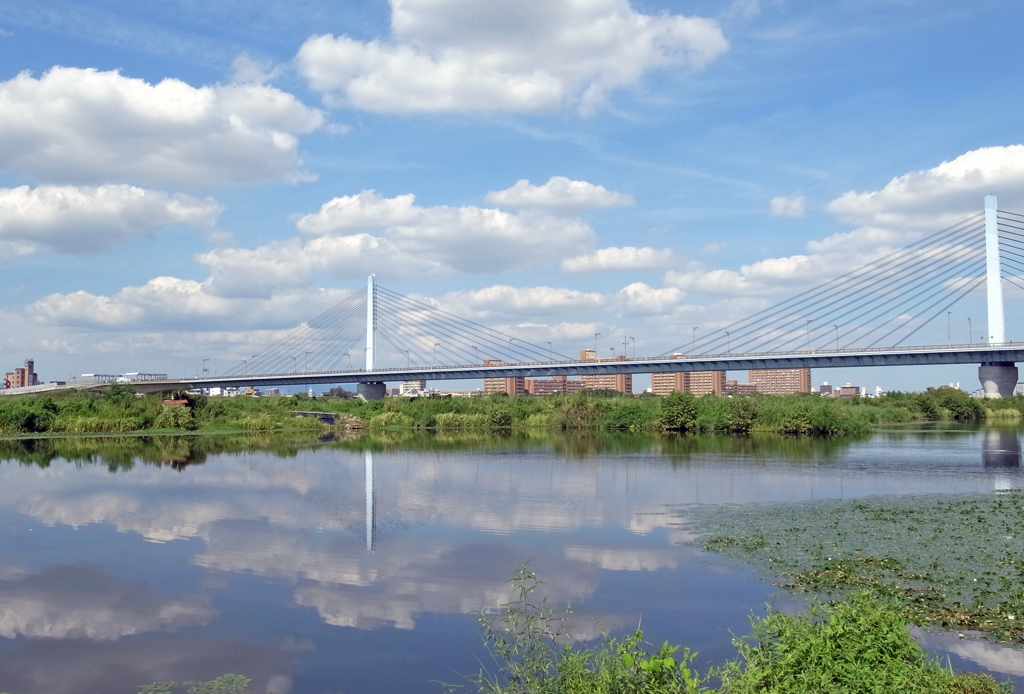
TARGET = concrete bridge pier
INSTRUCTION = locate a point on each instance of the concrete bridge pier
(375, 390)
(998, 379)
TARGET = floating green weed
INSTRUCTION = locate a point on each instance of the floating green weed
(951, 561)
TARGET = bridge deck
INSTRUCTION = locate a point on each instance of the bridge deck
(891, 356)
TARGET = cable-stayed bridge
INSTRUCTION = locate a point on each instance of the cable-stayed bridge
(868, 316)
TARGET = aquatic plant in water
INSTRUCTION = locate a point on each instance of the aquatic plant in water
(954, 561)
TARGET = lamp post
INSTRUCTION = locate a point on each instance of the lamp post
(949, 333)
(695, 339)
(305, 362)
(595, 344)
(510, 340)
(613, 352)
(837, 335)
(728, 342)
(970, 331)
(436, 345)
(295, 364)
(633, 340)
(550, 358)
(477, 351)
(349, 359)
(408, 359)
(811, 320)
(205, 370)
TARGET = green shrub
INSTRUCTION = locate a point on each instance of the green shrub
(858, 647)
(261, 422)
(629, 414)
(499, 419)
(391, 419)
(678, 411)
(741, 414)
(175, 417)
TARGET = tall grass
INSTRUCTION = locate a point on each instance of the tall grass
(119, 411)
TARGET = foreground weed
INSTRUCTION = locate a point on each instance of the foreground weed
(861, 646)
(529, 643)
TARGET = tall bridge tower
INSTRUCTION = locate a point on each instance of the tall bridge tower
(371, 390)
(998, 378)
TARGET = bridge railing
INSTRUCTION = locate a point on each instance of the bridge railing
(974, 346)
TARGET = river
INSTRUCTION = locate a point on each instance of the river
(358, 567)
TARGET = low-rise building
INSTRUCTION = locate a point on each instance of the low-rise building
(553, 386)
(849, 391)
(737, 388)
(413, 388)
(23, 377)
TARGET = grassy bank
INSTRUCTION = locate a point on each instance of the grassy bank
(120, 411)
(954, 562)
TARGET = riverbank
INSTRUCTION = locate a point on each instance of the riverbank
(119, 410)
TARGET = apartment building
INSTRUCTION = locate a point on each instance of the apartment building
(781, 381)
(509, 386)
(697, 382)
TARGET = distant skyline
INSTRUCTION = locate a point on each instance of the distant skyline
(186, 180)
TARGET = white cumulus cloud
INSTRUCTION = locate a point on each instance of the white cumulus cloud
(353, 235)
(526, 56)
(559, 193)
(166, 303)
(85, 125)
(934, 198)
(792, 205)
(70, 219)
(626, 258)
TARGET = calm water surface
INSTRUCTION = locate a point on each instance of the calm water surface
(324, 567)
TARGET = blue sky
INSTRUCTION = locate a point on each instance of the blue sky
(184, 180)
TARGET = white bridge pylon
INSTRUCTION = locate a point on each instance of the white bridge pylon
(998, 379)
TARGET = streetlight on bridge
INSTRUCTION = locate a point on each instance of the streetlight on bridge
(728, 342)
(949, 333)
(436, 345)
(837, 336)
(970, 331)
(695, 339)
(595, 344)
